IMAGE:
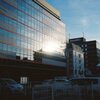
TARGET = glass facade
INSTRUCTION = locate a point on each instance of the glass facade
(98, 52)
(26, 27)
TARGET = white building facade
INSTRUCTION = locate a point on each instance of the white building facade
(78, 64)
(76, 60)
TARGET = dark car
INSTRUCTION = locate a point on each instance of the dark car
(93, 82)
(10, 87)
(89, 87)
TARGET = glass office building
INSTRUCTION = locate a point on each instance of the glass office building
(27, 26)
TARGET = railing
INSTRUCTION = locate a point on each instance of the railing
(73, 92)
(56, 92)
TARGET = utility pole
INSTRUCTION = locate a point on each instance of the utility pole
(68, 72)
(69, 35)
(83, 34)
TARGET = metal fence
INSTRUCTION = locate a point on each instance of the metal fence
(73, 92)
(56, 91)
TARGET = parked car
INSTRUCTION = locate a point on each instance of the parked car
(85, 81)
(58, 83)
(87, 86)
(10, 87)
(60, 80)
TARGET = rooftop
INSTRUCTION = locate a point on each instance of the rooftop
(48, 7)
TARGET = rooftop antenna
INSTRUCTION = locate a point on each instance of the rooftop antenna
(83, 34)
(69, 36)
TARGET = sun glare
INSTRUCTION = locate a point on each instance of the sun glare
(50, 47)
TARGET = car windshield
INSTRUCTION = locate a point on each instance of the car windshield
(85, 81)
(9, 81)
(61, 80)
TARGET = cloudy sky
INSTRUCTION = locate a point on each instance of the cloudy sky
(80, 16)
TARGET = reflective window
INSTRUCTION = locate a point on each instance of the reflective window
(26, 27)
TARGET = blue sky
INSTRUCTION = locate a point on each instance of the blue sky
(80, 16)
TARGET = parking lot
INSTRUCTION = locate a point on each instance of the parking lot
(58, 89)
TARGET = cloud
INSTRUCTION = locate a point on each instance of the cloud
(84, 21)
(80, 16)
